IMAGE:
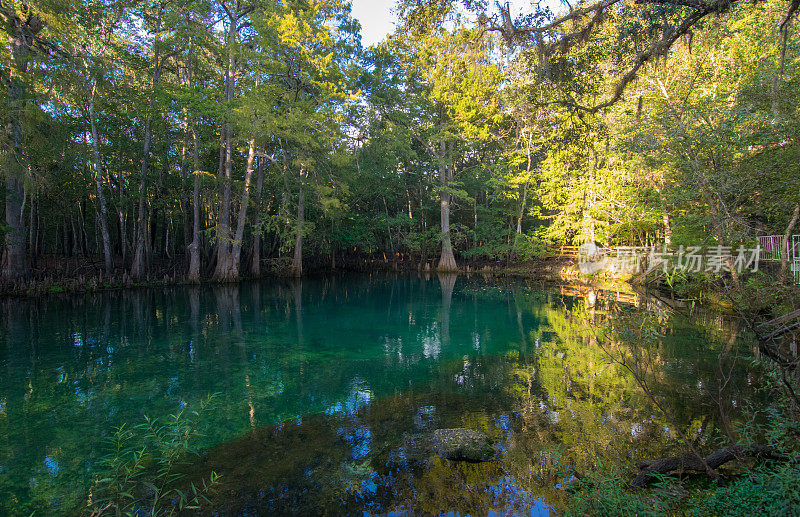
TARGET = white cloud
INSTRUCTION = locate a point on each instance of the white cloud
(376, 17)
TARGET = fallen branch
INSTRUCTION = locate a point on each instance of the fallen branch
(691, 463)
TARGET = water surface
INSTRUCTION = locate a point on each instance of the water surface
(322, 382)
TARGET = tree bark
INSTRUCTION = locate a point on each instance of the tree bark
(255, 265)
(785, 252)
(690, 462)
(717, 221)
(15, 264)
(521, 211)
(194, 247)
(297, 261)
(223, 230)
(236, 251)
(447, 262)
(122, 224)
(524, 190)
(98, 180)
(33, 227)
(193, 274)
(776, 78)
(667, 230)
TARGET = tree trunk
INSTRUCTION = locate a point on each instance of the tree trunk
(225, 266)
(785, 252)
(15, 263)
(667, 230)
(75, 239)
(153, 232)
(297, 261)
(524, 191)
(138, 266)
(123, 234)
(255, 266)
(776, 78)
(64, 239)
(223, 230)
(718, 232)
(98, 180)
(236, 252)
(33, 234)
(651, 471)
(82, 220)
(447, 262)
(15, 260)
(521, 211)
(194, 247)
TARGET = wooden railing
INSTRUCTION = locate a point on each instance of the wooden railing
(772, 250)
(568, 251)
(573, 252)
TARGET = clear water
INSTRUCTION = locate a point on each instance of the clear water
(323, 383)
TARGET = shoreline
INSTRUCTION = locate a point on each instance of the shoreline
(550, 269)
(43, 285)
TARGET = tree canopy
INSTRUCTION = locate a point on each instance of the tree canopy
(209, 138)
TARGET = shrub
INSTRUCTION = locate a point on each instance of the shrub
(608, 494)
(769, 489)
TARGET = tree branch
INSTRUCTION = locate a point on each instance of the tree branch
(512, 33)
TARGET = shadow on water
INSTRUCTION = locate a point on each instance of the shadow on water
(325, 384)
(371, 460)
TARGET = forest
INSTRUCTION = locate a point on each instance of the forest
(253, 266)
(219, 140)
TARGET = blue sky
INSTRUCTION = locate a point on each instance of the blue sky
(377, 19)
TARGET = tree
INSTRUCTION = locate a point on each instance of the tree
(31, 31)
(460, 81)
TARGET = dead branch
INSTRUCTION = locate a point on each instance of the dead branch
(691, 463)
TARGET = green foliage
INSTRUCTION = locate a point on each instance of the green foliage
(608, 494)
(142, 473)
(761, 294)
(769, 489)
(702, 148)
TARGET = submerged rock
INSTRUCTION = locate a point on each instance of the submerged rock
(457, 444)
(462, 444)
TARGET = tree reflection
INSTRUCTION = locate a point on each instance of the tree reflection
(447, 281)
(375, 359)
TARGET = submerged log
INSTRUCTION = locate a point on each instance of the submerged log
(692, 463)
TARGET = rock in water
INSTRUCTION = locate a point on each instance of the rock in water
(462, 445)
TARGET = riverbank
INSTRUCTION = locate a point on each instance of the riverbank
(58, 275)
(759, 293)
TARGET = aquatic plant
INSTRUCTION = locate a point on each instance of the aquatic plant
(142, 471)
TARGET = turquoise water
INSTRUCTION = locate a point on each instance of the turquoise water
(320, 383)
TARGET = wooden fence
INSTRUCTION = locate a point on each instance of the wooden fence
(772, 250)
